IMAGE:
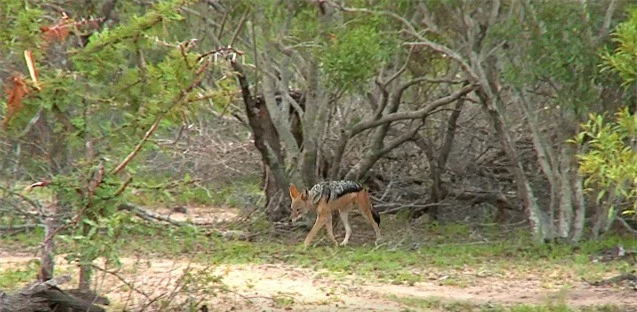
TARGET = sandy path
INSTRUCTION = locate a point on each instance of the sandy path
(281, 287)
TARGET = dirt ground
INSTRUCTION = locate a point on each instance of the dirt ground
(282, 287)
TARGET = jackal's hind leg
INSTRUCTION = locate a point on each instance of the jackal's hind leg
(348, 229)
(371, 221)
(366, 210)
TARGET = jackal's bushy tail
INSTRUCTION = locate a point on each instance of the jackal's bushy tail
(367, 203)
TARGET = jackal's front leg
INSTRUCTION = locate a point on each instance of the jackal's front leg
(320, 222)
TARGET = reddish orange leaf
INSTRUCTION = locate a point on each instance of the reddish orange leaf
(15, 89)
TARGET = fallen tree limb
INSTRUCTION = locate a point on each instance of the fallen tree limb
(151, 216)
(46, 296)
(615, 280)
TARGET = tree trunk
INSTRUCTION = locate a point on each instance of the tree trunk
(47, 267)
(274, 201)
(436, 194)
(565, 213)
(546, 158)
(266, 140)
(86, 270)
(489, 98)
(580, 211)
(438, 165)
(313, 121)
(602, 211)
(538, 222)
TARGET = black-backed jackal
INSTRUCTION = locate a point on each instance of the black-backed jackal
(327, 197)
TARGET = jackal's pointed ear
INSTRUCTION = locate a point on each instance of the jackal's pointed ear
(294, 193)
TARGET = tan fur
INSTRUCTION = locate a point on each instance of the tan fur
(301, 204)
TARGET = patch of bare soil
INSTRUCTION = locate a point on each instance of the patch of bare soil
(279, 287)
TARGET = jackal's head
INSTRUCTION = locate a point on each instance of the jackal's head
(300, 203)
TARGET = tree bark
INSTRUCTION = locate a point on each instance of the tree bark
(565, 212)
(46, 296)
(313, 120)
(47, 267)
(580, 211)
(266, 140)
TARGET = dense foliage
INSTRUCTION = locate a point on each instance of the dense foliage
(610, 160)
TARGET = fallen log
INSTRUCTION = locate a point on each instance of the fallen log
(150, 216)
(46, 296)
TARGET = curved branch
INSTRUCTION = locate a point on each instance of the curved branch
(418, 114)
(400, 71)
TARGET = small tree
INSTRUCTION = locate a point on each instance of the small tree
(610, 160)
(97, 94)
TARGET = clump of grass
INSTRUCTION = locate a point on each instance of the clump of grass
(438, 304)
(21, 240)
(14, 278)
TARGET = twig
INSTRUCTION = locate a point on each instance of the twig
(26, 199)
(626, 225)
(121, 279)
(17, 227)
(139, 146)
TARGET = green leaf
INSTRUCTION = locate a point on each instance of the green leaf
(600, 196)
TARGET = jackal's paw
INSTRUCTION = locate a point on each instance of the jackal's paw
(343, 244)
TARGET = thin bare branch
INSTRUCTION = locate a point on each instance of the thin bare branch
(400, 71)
(418, 114)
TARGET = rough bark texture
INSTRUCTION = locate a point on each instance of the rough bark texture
(580, 208)
(47, 266)
(266, 140)
(565, 212)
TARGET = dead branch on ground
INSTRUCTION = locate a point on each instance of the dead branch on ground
(151, 216)
(46, 296)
